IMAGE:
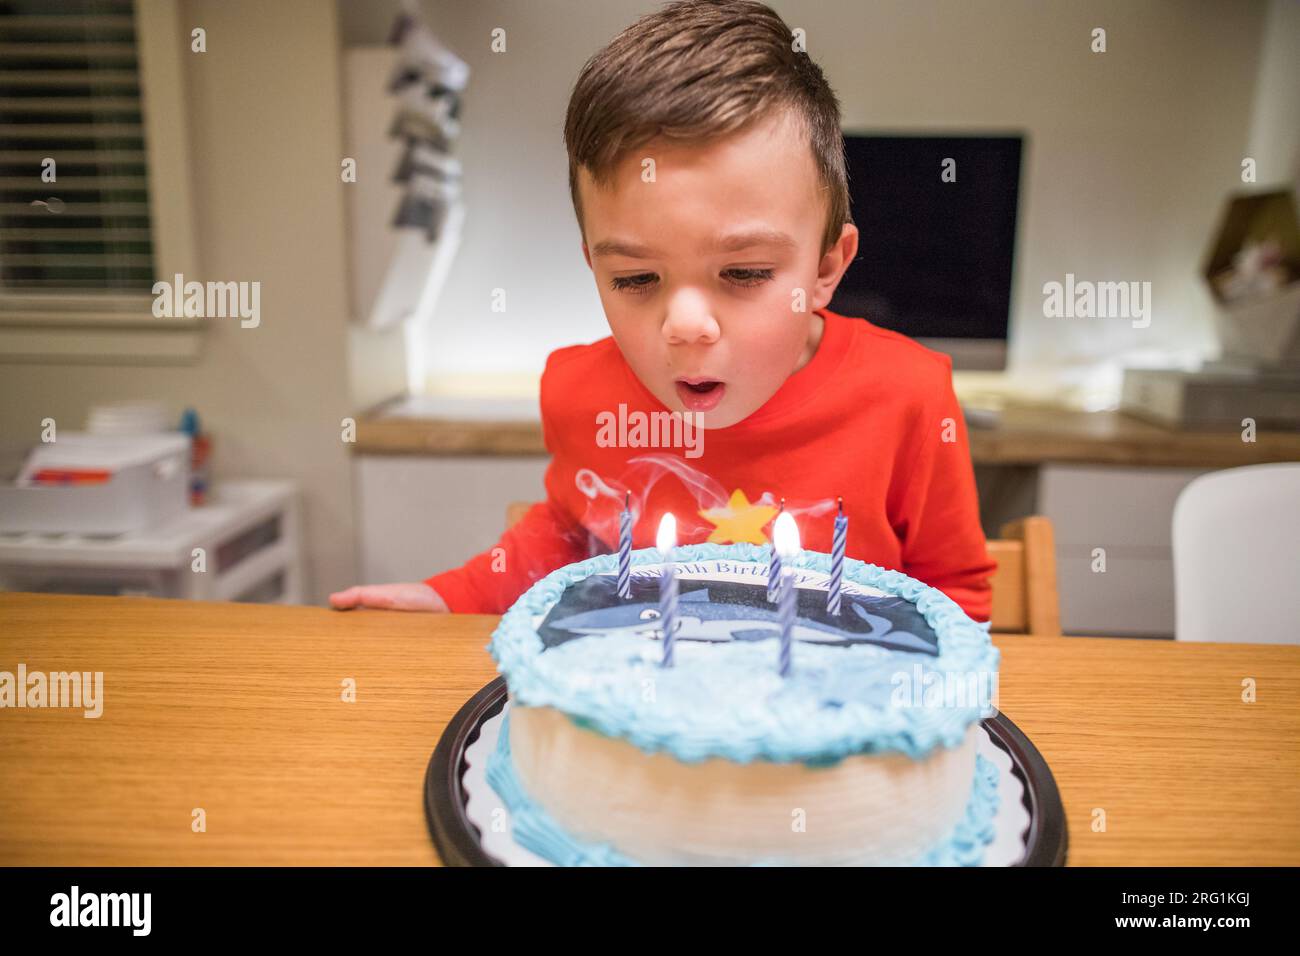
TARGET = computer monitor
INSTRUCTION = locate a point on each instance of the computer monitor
(935, 251)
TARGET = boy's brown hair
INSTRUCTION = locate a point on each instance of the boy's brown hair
(697, 70)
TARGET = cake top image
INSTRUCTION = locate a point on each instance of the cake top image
(900, 668)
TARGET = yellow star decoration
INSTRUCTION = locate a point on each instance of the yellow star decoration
(739, 521)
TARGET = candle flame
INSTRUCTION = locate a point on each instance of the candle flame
(667, 537)
(785, 535)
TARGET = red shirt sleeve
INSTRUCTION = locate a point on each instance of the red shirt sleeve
(942, 540)
(489, 583)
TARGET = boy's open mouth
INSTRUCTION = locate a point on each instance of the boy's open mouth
(700, 394)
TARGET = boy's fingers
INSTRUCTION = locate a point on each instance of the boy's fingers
(345, 599)
(387, 597)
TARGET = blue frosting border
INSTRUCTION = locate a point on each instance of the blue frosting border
(820, 736)
(534, 829)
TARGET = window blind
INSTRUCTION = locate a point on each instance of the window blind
(70, 92)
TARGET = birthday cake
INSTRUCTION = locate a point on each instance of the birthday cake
(863, 753)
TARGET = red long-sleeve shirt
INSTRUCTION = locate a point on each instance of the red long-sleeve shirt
(871, 417)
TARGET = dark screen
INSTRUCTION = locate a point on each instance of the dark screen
(934, 258)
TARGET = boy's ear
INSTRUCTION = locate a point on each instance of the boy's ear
(834, 264)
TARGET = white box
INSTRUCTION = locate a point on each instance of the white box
(149, 486)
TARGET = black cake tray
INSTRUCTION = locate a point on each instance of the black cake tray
(458, 840)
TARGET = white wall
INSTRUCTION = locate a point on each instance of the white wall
(1275, 120)
(263, 112)
(1130, 156)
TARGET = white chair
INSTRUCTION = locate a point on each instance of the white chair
(1237, 556)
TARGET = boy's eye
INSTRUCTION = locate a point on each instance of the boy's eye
(635, 284)
(748, 277)
(642, 282)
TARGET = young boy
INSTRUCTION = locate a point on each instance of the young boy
(706, 168)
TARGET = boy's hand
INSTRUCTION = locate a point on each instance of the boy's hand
(415, 596)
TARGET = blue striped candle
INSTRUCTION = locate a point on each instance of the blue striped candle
(837, 561)
(774, 575)
(786, 614)
(785, 539)
(625, 551)
(666, 542)
(774, 564)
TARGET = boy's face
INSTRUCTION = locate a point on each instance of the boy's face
(698, 268)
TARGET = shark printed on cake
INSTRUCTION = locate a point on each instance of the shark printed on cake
(717, 611)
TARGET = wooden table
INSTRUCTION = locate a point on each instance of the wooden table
(238, 710)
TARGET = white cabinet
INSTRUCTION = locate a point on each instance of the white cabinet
(421, 514)
(1124, 516)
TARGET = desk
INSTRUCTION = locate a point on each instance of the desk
(237, 709)
(1024, 435)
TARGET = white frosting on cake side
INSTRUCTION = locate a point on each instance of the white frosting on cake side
(867, 809)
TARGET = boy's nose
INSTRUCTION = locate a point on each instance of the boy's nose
(690, 325)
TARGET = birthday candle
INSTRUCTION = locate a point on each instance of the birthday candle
(785, 538)
(774, 575)
(667, 540)
(625, 549)
(837, 561)
(774, 565)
